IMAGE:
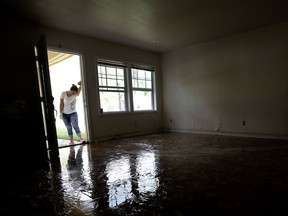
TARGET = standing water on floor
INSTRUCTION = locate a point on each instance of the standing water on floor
(106, 182)
(159, 174)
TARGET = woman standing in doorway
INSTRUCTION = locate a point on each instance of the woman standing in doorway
(68, 111)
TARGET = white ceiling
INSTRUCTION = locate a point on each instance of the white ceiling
(156, 25)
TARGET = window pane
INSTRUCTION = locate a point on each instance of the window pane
(148, 75)
(141, 74)
(112, 101)
(149, 84)
(142, 100)
(141, 78)
(141, 84)
(102, 82)
(134, 83)
(101, 75)
(112, 82)
(120, 73)
(101, 69)
(120, 83)
(111, 71)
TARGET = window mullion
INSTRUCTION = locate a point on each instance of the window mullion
(153, 94)
(129, 89)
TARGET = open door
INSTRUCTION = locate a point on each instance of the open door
(46, 96)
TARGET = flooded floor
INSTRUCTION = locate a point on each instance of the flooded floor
(160, 174)
(62, 143)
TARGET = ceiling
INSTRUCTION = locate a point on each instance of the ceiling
(155, 25)
(56, 57)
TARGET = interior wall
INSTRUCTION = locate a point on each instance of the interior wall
(235, 85)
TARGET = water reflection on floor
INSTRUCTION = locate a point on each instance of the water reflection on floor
(123, 176)
(162, 174)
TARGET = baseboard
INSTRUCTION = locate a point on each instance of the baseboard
(119, 136)
(248, 135)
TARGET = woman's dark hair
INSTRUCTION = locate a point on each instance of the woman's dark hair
(74, 88)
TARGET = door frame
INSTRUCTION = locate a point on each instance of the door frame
(82, 77)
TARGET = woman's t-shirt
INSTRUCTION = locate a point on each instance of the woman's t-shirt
(69, 102)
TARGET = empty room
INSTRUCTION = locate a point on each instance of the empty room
(182, 107)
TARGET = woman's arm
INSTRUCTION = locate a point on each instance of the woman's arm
(61, 105)
(61, 108)
(79, 88)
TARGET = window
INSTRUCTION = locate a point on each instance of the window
(112, 87)
(142, 89)
(124, 87)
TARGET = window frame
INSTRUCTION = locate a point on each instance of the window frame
(128, 86)
(113, 64)
(152, 89)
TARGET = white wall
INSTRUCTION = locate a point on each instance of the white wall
(215, 86)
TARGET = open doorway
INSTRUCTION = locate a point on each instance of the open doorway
(65, 70)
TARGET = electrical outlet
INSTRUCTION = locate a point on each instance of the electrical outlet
(243, 123)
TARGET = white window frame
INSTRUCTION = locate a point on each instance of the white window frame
(145, 88)
(105, 88)
(128, 88)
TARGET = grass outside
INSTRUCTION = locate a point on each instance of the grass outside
(62, 134)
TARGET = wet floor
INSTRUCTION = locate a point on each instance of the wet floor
(159, 174)
(62, 143)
